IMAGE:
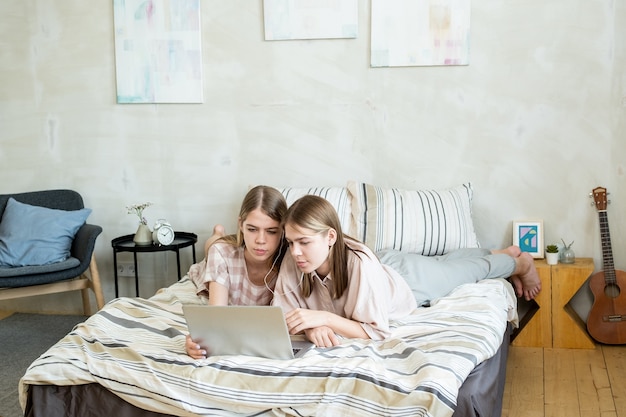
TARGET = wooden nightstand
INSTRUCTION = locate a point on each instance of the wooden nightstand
(554, 323)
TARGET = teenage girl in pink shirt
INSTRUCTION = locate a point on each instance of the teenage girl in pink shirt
(330, 284)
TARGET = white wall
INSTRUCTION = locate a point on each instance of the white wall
(535, 122)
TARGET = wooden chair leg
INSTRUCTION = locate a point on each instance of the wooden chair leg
(95, 282)
(86, 304)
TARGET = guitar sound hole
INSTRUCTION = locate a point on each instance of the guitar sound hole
(612, 290)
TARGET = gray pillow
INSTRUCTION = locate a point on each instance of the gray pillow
(33, 235)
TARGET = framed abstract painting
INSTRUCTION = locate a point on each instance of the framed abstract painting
(528, 235)
(158, 52)
(419, 33)
(310, 19)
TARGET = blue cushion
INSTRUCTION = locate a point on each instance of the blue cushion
(33, 235)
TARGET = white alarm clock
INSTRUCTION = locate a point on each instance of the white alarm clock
(163, 233)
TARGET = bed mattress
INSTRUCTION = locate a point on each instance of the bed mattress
(130, 356)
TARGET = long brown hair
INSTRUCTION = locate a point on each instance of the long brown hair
(317, 214)
(271, 202)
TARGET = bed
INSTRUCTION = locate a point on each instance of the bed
(447, 359)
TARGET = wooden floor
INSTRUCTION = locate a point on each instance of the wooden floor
(565, 382)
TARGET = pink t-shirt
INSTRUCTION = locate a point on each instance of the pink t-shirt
(375, 293)
(225, 264)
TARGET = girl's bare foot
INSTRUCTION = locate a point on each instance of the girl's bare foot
(517, 285)
(218, 232)
(525, 278)
(513, 251)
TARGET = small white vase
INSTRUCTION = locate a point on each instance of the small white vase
(552, 258)
(143, 236)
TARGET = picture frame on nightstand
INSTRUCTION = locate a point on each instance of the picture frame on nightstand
(528, 235)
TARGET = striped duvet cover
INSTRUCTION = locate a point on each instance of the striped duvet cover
(135, 348)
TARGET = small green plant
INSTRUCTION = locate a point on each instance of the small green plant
(552, 249)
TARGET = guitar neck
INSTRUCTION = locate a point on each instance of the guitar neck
(607, 251)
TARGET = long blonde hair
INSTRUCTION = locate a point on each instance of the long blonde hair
(317, 214)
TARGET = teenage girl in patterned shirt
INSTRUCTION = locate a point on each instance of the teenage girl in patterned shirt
(241, 269)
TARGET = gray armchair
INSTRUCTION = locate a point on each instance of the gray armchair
(79, 272)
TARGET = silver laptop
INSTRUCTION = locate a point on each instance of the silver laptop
(243, 330)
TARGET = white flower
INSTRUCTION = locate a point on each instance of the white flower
(138, 210)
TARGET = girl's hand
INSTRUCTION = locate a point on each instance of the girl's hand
(193, 349)
(315, 324)
(322, 336)
(301, 319)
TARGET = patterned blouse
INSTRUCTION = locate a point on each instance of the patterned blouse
(225, 264)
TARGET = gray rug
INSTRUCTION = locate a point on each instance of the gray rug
(23, 338)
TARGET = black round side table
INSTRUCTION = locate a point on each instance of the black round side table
(126, 244)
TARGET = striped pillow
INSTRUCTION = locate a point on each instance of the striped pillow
(428, 222)
(339, 197)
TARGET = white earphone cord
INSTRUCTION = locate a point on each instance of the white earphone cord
(270, 270)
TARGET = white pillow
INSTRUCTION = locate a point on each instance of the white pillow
(339, 197)
(428, 222)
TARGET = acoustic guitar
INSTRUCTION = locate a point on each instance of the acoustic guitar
(607, 319)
